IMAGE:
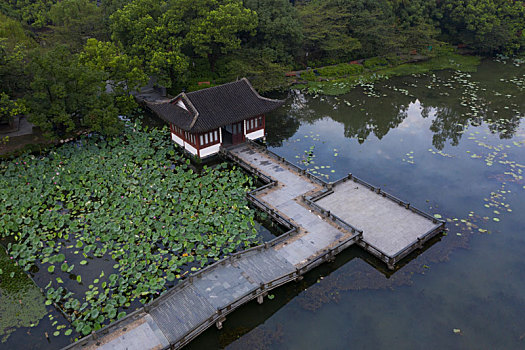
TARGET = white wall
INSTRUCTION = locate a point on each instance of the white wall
(177, 139)
(255, 135)
(208, 151)
(181, 104)
(190, 148)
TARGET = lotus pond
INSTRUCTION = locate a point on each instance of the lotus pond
(104, 226)
(453, 144)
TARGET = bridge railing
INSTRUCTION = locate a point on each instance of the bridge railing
(264, 288)
(337, 220)
(393, 198)
(248, 167)
(390, 260)
(328, 189)
(304, 172)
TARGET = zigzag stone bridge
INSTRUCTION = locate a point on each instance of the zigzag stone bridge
(323, 219)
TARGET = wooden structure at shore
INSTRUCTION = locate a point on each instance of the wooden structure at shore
(203, 121)
(322, 220)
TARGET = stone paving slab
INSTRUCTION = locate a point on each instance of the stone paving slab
(181, 312)
(223, 285)
(139, 335)
(385, 224)
(265, 266)
(319, 233)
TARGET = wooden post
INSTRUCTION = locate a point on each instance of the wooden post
(220, 322)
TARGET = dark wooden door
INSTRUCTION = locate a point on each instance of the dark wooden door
(238, 133)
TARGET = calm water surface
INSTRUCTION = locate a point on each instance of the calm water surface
(453, 145)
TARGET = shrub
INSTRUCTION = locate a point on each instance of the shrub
(341, 70)
(375, 63)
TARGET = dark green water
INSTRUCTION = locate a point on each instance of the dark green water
(452, 144)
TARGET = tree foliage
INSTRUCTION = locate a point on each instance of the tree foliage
(13, 51)
(279, 32)
(325, 27)
(217, 31)
(144, 30)
(83, 58)
(67, 95)
(10, 108)
(31, 12)
(123, 74)
(487, 25)
(75, 21)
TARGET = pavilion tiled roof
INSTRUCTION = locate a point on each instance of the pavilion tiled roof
(214, 107)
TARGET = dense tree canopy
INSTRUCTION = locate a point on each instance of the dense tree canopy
(75, 21)
(279, 32)
(486, 25)
(67, 95)
(122, 73)
(74, 63)
(144, 30)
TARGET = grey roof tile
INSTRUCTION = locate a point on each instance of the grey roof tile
(213, 107)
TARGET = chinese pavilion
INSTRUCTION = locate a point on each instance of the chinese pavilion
(202, 121)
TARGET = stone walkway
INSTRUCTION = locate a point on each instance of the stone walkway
(205, 298)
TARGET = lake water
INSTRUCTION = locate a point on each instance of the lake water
(450, 143)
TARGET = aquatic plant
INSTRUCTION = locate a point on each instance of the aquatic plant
(21, 302)
(114, 222)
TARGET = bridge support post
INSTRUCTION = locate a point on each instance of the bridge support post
(298, 275)
(219, 322)
(260, 299)
(390, 264)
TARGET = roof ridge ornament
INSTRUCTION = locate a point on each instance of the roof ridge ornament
(195, 111)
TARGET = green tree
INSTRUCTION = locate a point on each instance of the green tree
(145, 31)
(211, 28)
(263, 72)
(417, 22)
(279, 31)
(122, 73)
(325, 28)
(14, 44)
(32, 12)
(374, 24)
(10, 108)
(67, 96)
(487, 25)
(75, 21)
